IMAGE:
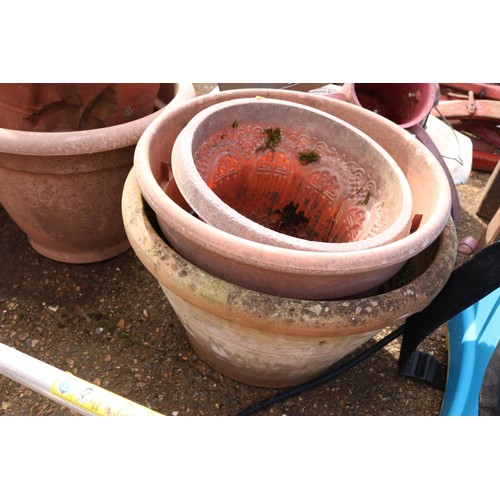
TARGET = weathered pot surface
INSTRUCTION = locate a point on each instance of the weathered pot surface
(289, 175)
(58, 107)
(63, 189)
(264, 340)
(282, 271)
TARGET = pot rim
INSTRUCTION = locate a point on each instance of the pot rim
(205, 201)
(289, 316)
(289, 260)
(20, 142)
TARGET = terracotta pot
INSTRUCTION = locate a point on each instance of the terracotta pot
(63, 189)
(270, 341)
(322, 185)
(59, 107)
(406, 104)
(166, 93)
(282, 271)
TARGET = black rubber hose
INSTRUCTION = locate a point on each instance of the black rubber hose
(332, 373)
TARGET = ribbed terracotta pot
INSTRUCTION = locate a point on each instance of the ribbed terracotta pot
(63, 189)
(268, 341)
(283, 271)
(290, 175)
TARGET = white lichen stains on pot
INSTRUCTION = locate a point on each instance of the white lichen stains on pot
(316, 309)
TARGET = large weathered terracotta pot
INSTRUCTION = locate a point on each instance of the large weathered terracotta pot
(283, 271)
(289, 175)
(271, 341)
(58, 107)
(63, 189)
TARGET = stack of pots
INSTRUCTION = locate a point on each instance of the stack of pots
(324, 186)
(277, 310)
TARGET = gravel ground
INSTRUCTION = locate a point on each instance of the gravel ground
(109, 323)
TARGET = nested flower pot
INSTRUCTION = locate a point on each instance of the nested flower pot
(289, 272)
(270, 341)
(290, 175)
(63, 189)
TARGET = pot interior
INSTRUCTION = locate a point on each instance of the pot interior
(401, 103)
(295, 172)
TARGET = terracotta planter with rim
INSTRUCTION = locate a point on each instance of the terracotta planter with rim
(268, 341)
(323, 186)
(282, 271)
(63, 189)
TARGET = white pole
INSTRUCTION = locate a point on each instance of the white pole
(65, 388)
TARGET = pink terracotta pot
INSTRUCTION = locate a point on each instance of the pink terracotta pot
(63, 189)
(282, 271)
(59, 107)
(269, 341)
(324, 185)
(406, 104)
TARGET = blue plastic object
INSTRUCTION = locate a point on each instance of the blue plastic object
(472, 337)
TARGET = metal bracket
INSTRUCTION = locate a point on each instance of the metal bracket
(471, 103)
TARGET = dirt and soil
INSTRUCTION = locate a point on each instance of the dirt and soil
(109, 323)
